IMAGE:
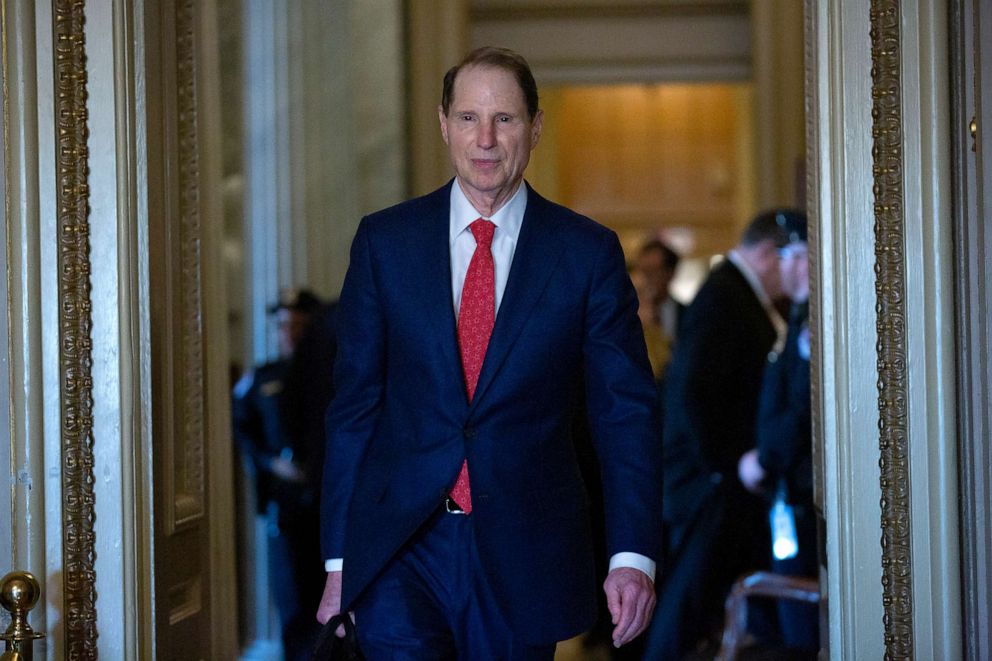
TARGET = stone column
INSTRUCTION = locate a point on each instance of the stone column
(779, 132)
(438, 34)
(324, 120)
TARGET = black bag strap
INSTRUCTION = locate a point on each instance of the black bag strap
(328, 645)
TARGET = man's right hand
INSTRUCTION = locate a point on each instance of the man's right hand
(330, 602)
(750, 472)
(287, 471)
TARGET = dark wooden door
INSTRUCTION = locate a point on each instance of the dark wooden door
(184, 602)
(972, 143)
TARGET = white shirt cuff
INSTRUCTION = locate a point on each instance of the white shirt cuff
(635, 560)
(334, 564)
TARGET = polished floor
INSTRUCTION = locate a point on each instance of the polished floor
(574, 650)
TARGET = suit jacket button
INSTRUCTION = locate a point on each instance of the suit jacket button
(469, 432)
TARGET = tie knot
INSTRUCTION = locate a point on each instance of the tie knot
(482, 230)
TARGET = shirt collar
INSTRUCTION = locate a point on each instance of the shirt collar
(751, 277)
(508, 219)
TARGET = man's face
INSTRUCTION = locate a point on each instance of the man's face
(765, 263)
(290, 324)
(651, 263)
(794, 270)
(488, 132)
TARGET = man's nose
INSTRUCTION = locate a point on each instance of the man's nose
(486, 138)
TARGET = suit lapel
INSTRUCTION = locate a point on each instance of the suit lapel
(534, 259)
(432, 242)
(758, 313)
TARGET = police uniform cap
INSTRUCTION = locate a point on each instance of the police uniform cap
(793, 224)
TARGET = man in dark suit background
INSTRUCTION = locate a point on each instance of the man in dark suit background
(309, 388)
(715, 529)
(266, 429)
(473, 322)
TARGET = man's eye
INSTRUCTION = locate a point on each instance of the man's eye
(466, 118)
(504, 118)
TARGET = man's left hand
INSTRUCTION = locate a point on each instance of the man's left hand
(631, 599)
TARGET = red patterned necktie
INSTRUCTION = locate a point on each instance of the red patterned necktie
(476, 316)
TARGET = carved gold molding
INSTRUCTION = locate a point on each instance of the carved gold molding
(812, 106)
(189, 479)
(890, 288)
(72, 198)
(813, 230)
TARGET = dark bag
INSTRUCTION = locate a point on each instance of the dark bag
(331, 648)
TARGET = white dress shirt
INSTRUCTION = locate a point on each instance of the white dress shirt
(508, 220)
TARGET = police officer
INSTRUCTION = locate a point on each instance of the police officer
(285, 495)
(781, 464)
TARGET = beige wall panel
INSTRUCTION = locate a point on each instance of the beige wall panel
(437, 38)
(643, 158)
(779, 125)
(542, 172)
(630, 41)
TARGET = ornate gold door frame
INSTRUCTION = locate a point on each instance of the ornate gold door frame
(119, 415)
(884, 393)
(890, 306)
(72, 200)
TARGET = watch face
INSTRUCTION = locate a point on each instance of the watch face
(804, 343)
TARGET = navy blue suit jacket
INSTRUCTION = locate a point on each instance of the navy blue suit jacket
(400, 424)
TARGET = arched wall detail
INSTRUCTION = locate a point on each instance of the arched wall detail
(885, 397)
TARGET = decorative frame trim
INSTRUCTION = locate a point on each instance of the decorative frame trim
(184, 413)
(813, 231)
(890, 287)
(190, 487)
(813, 222)
(75, 325)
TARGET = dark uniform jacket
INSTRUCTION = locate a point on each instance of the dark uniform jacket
(258, 412)
(784, 428)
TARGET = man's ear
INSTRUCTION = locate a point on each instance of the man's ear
(443, 119)
(536, 127)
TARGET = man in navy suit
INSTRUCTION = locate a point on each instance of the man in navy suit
(473, 324)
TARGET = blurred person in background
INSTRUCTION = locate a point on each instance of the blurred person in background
(781, 466)
(286, 494)
(714, 526)
(652, 274)
(659, 262)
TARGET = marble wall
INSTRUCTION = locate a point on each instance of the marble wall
(322, 126)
